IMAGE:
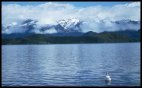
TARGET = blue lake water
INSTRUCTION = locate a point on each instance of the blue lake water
(71, 64)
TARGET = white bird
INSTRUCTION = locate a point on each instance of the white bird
(107, 77)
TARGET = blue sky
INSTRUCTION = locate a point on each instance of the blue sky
(77, 4)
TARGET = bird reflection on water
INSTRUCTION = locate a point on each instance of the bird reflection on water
(108, 83)
(107, 79)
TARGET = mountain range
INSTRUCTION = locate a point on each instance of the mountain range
(32, 26)
(65, 26)
(30, 31)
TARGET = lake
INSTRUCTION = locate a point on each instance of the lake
(71, 64)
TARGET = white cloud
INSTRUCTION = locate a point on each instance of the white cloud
(134, 4)
(51, 12)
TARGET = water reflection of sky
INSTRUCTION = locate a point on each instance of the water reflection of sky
(71, 64)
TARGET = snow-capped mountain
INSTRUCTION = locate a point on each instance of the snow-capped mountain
(31, 26)
(66, 26)
(69, 25)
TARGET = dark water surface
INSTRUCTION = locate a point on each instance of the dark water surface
(71, 64)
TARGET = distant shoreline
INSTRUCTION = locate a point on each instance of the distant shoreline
(69, 43)
(89, 37)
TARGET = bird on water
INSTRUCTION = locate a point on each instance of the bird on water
(107, 77)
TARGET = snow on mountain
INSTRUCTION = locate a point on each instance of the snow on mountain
(71, 25)
(31, 26)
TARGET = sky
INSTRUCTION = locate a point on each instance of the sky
(91, 12)
(77, 4)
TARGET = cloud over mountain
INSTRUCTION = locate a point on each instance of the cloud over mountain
(95, 18)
